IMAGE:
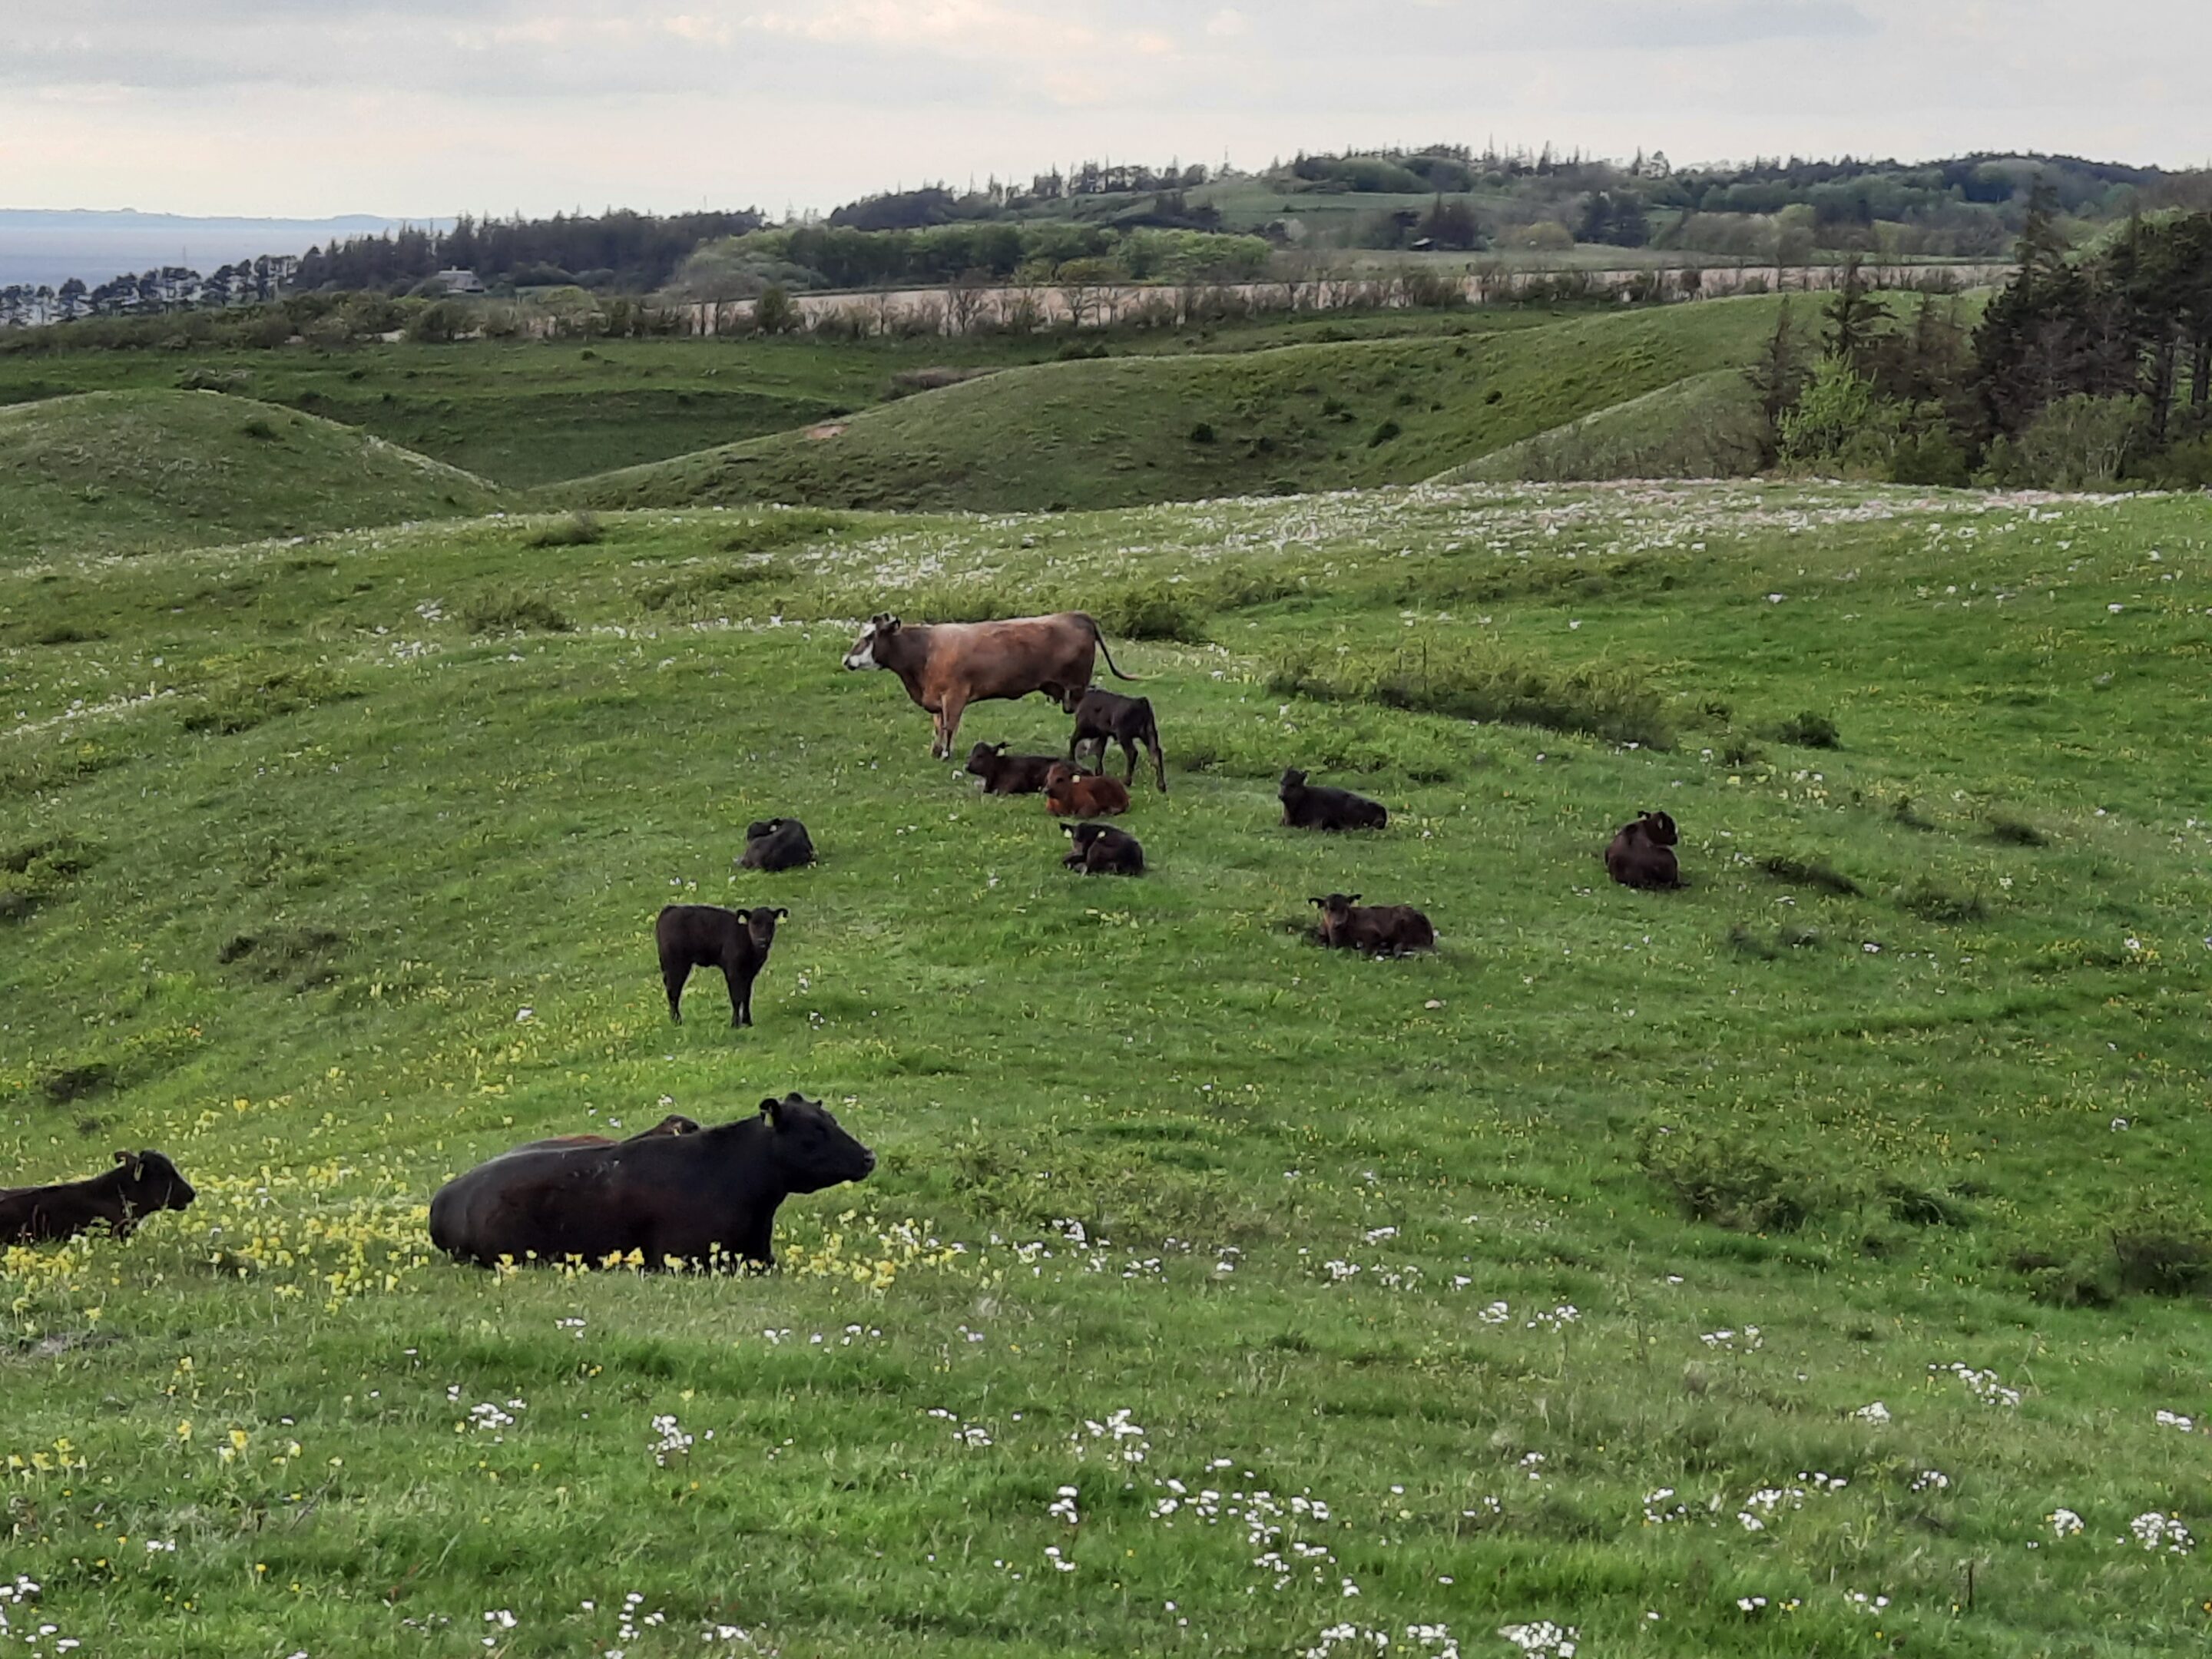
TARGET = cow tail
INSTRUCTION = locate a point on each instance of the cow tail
(1098, 634)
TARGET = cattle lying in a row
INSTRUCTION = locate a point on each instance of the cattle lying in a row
(1317, 806)
(119, 1199)
(1376, 929)
(702, 1199)
(775, 844)
(1100, 849)
(1009, 775)
(706, 936)
(945, 666)
(1071, 792)
(674, 1124)
(1102, 717)
(1642, 853)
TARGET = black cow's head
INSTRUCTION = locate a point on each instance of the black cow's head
(1292, 779)
(811, 1151)
(151, 1182)
(760, 827)
(864, 655)
(760, 925)
(1660, 827)
(980, 758)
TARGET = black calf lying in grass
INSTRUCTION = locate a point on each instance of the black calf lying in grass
(1383, 930)
(139, 1184)
(1317, 806)
(1100, 849)
(1102, 717)
(1009, 775)
(1643, 853)
(776, 844)
(706, 936)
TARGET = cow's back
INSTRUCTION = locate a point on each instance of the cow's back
(1014, 658)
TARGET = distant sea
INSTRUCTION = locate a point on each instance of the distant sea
(39, 245)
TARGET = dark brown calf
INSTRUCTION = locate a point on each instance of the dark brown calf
(1642, 853)
(1317, 806)
(1009, 775)
(1100, 849)
(1072, 793)
(706, 936)
(1103, 717)
(1383, 930)
(775, 844)
(139, 1184)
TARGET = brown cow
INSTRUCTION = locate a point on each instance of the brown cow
(1071, 792)
(1642, 853)
(945, 666)
(1383, 930)
(139, 1184)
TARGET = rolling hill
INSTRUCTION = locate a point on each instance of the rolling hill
(1123, 431)
(1719, 1272)
(132, 471)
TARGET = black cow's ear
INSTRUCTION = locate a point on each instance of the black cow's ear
(1352, 898)
(890, 624)
(771, 1108)
(1320, 902)
(745, 915)
(782, 915)
(130, 1162)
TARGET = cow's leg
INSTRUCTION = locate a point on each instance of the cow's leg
(948, 723)
(1159, 764)
(673, 975)
(1129, 754)
(741, 992)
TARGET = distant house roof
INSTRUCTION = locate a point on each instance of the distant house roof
(461, 282)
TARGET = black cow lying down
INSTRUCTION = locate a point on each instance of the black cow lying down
(703, 1200)
(139, 1184)
(776, 844)
(1318, 806)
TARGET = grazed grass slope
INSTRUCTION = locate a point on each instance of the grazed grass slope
(525, 413)
(1133, 430)
(1706, 426)
(124, 472)
(329, 894)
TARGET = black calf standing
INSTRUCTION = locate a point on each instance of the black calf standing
(1103, 717)
(706, 936)
(775, 844)
(1100, 849)
(1317, 806)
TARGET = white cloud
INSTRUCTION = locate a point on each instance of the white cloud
(439, 106)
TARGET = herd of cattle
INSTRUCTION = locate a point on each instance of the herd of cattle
(708, 1197)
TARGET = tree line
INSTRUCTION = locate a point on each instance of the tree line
(2084, 370)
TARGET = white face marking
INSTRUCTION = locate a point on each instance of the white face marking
(863, 655)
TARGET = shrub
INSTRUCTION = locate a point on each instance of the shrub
(2162, 1252)
(1152, 611)
(2079, 442)
(511, 610)
(1931, 900)
(775, 311)
(244, 699)
(577, 529)
(1808, 873)
(1727, 1182)
(1809, 730)
(1202, 433)
(1471, 682)
(259, 428)
(2008, 831)
(1382, 435)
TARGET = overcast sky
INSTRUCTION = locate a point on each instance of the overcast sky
(432, 106)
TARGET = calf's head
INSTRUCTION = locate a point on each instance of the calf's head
(1660, 827)
(810, 1150)
(864, 653)
(1335, 910)
(760, 925)
(983, 758)
(761, 826)
(1292, 779)
(151, 1182)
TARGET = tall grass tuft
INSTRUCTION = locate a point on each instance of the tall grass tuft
(1478, 682)
(577, 529)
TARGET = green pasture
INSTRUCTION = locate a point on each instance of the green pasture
(1798, 1262)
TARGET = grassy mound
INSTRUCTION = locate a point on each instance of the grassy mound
(128, 472)
(1539, 1263)
(1706, 426)
(1123, 431)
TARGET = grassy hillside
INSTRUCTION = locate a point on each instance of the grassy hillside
(1125, 431)
(128, 472)
(527, 413)
(1556, 1277)
(1703, 427)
